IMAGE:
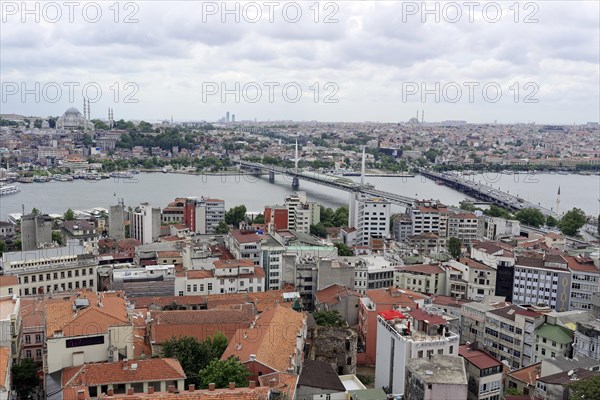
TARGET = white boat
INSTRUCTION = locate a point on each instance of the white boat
(122, 174)
(9, 189)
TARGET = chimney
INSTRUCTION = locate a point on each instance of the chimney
(150, 389)
(211, 387)
(192, 387)
(81, 395)
(110, 392)
(252, 384)
(231, 385)
(171, 389)
(130, 391)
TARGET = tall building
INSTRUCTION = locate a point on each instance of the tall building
(36, 230)
(276, 218)
(417, 335)
(484, 373)
(227, 117)
(116, 222)
(204, 215)
(145, 223)
(370, 216)
(302, 213)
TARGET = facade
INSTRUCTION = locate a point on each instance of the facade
(91, 328)
(435, 377)
(551, 341)
(245, 244)
(144, 223)
(428, 217)
(479, 279)
(418, 335)
(57, 277)
(484, 374)
(422, 278)
(373, 272)
(203, 215)
(466, 227)
(36, 230)
(116, 222)
(229, 276)
(370, 305)
(542, 281)
(335, 346)
(587, 339)
(585, 278)
(276, 218)
(510, 334)
(497, 228)
(370, 216)
(83, 232)
(301, 213)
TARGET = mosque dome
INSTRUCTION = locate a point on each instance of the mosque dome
(72, 111)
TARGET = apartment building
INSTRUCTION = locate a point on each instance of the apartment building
(245, 244)
(203, 215)
(497, 228)
(585, 278)
(36, 231)
(542, 280)
(428, 217)
(370, 305)
(373, 272)
(401, 337)
(301, 213)
(474, 280)
(276, 218)
(421, 278)
(466, 227)
(473, 319)
(227, 276)
(510, 334)
(484, 373)
(552, 340)
(587, 339)
(82, 232)
(93, 327)
(370, 216)
(144, 223)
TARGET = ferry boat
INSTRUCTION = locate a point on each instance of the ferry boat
(8, 189)
(122, 174)
(25, 179)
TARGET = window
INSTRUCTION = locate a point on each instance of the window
(85, 341)
(28, 354)
(209, 287)
(38, 338)
(38, 353)
(27, 339)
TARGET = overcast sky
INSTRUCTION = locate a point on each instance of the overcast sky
(373, 58)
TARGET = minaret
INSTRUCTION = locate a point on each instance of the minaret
(362, 169)
(422, 116)
(88, 111)
(417, 116)
(84, 116)
(558, 202)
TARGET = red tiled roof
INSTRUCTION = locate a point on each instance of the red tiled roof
(233, 263)
(4, 364)
(147, 370)
(245, 237)
(332, 294)
(581, 264)
(422, 268)
(199, 274)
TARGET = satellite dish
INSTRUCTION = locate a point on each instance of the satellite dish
(570, 372)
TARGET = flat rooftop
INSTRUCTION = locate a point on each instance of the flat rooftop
(439, 369)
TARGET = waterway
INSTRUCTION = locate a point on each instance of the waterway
(159, 189)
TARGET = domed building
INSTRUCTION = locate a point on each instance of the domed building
(72, 119)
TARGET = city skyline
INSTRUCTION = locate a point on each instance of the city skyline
(379, 60)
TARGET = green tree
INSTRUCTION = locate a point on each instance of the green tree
(2, 247)
(235, 215)
(454, 247)
(572, 221)
(512, 391)
(222, 372)
(585, 388)
(318, 230)
(328, 318)
(87, 140)
(340, 216)
(551, 221)
(222, 228)
(531, 216)
(35, 211)
(344, 250)
(259, 219)
(24, 377)
(193, 355)
(69, 215)
(495, 211)
(57, 237)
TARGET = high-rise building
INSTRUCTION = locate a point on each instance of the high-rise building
(370, 216)
(203, 215)
(145, 223)
(302, 213)
(232, 117)
(227, 117)
(116, 222)
(36, 230)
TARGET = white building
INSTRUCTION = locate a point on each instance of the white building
(92, 328)
(145, 223)
(400, 338)
(428, 217)
(370, 216)
(436, 377)
(229, 276)
(371, 272)
(497, 228)
(302, 213)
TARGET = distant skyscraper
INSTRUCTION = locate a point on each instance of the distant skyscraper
(227, 117)
(232, 117)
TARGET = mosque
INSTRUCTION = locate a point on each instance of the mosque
(72, 119)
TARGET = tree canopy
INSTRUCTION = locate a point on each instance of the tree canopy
(586, 389)
(531, 216)
(328, 318)
(454, 247)
(344, 250)
(235, 215)
(193, 354)
(69, 215)
(24, 377)
(572, 221)
(222, 372)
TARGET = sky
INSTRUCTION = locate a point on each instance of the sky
(505, 61)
